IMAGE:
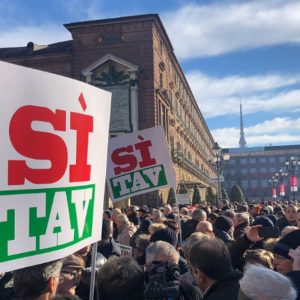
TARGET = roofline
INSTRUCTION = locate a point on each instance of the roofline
(154, 17)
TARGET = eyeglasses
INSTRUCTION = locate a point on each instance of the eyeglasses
(72, 274)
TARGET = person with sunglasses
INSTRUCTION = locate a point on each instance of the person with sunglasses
(70, 275)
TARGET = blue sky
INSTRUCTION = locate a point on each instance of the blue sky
(230, 51)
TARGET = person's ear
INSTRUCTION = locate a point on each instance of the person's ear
(52, 284)
(199, 275)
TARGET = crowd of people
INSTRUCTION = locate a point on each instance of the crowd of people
(233, 251)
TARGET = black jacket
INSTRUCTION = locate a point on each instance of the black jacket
(226, 288)
(295, 277)
(188, 228)
(133, 218)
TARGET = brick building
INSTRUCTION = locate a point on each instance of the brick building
(133, 58)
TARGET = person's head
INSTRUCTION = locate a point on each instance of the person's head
(141, 243)
(283, 262)
(157, 216)
(260, 256)
(172, 224)
(199, 215)
(107, 215)
(131, 210)
(260, 283)
(228, 213)
(243, 208)
(167, 209)
(121, 278)
(240, 218)
(156, 227)
(142, 212)
(161, 251)
(255, 210)
(210, 261)
(212, 217)
(184, 211)
(107, 229)
(193, 239)
(70, 274)
(291, 214)
(205, 227)
(224, 224)
(122, 221)
(224, 204)
(287, 229)
(167, 235)
(33, 282)
(115, 213)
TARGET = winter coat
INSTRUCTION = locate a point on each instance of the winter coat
(225, 288)
(295, 277)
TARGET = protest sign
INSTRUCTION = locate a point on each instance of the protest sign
(138, 163)
(183, 199)
(54, 133)
(122, 250)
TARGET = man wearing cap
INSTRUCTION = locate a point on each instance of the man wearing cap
(70, 275)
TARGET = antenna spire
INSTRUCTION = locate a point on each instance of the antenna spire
(242, 141)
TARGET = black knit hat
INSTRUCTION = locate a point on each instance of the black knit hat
(264, 221)
(223, 223)
(290, 241)
(167, 235)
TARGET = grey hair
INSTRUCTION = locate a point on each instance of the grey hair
(158, 212)
(242, 217)
(260, 283)
(161, 249)
(123, 218)
(31, 282)
(199, 215)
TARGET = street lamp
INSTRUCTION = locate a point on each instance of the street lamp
(274, 182)
(281, 176)
(292, 166)
(219, 162)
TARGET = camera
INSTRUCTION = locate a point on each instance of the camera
(163, 282)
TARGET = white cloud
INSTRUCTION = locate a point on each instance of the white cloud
(268, 93)
(44, 35)
(204, 30)
(278, 131)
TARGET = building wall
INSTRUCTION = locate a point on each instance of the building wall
(252, 169)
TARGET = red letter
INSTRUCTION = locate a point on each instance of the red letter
(147, 160)
(83, 124)
(37, 145)
(119, 159)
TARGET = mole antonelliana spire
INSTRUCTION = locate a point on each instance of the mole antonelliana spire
(242, 141)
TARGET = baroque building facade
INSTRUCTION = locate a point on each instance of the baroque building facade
(133, 58)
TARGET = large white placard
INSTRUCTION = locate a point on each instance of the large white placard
(54, 134)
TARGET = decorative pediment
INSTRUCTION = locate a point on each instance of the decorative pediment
(109, 57)
(111, 70)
